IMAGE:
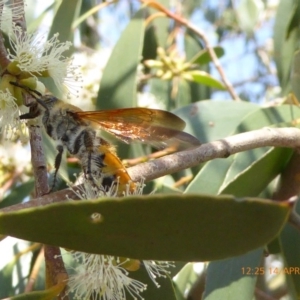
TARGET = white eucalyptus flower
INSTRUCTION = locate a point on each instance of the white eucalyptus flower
(40, 59)
(102, 277)
(9, 116)
(107, 277)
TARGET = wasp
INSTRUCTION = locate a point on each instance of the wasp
(76, 131)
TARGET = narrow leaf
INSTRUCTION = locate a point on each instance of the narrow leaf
(48, 294)
(184, 280)
(203, 57)
(193, 51)
(62, 24)
(227, 278)
(290, 243)
(264, 170)
(285, 42)
(295, 76)
(212, 120)
(248, 12)
(18, 194)
(205, 78)
(118, 83)
(63, 19)
(211, 177)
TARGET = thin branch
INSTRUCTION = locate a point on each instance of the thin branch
(272, 137)
(55, 270)
(4, 61)
(38, 160)
(276, 137)
(154, 4)
(35, 271)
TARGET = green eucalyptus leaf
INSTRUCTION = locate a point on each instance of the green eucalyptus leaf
(161, 90)
(184, 280)
(195, 53)
(205, 78)
(213, 120)
(290, 245)
(150, 44)
(63, 20)
(162, 26)
(118, 83)
(6, 280)
(183, 95)
(248, 13)
(211, 177)
(18, 194)
(285, 41)
(203, 57)
(294, 21)
(187, 227)
(62, 24)
(34, 22)
(264, 169)
(14, 266)
(48, 294)
(227, 278)
(295, 76)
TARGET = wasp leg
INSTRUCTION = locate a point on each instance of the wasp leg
(108, 181)
(88, 144)
(89, 167)
(33, 112)
(57, 163)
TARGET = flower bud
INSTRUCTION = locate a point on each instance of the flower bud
(167, 75)
(13, 68)
(187, 76)
(130, 264)
(18, 94)
(30, 82)
(40, 87)
(151, 63)
(5, 83)
(159, 73)
(161, 52)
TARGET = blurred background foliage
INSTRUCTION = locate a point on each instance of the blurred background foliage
(166, 65)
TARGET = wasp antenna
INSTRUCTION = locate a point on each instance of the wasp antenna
(57, 163)
(27, 89)
(31, 92)
(41, 102)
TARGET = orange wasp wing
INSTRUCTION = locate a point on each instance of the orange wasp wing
(157, 127)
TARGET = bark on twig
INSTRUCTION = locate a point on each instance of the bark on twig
(276, 137)
(272, 137)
